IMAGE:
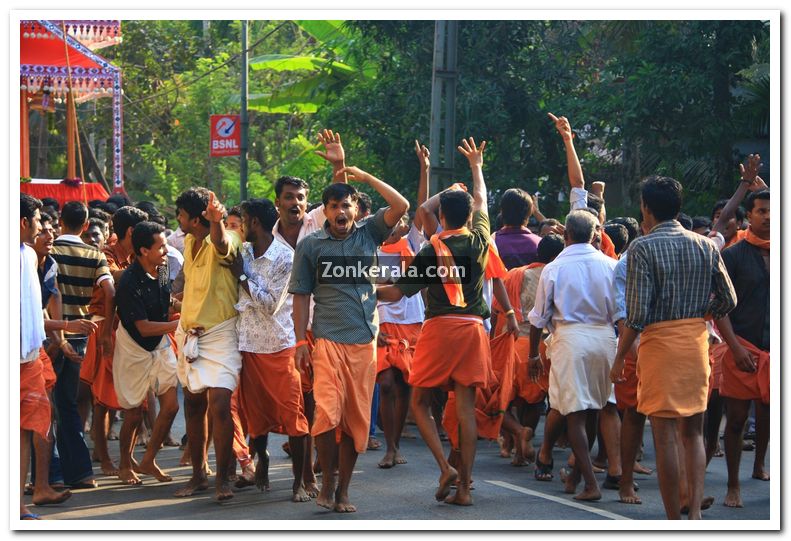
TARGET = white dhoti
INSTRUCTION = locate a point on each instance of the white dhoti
(136, 370)
(216, 361)
(582, 356)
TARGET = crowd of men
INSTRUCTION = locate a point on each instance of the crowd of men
(595, 324)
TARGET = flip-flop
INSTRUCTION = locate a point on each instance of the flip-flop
(29, 516)
(543, 470)
(84, 485)
(613, 482)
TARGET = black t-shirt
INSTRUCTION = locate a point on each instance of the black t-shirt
(138, 297)
(750, 318)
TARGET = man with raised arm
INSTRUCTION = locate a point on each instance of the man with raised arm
(454, 315)
(673, 368)
(343, 361)
(209, 360)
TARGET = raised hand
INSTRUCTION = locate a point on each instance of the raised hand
(473, 154)
(214, 210)
(333, 149)
(598, 188)
(563, 126)
(423, 155)
(750, 172)
(758, 185)
(354, 173)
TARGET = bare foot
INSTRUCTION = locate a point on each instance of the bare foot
(733, 498)
(151, 468)
(505, 447)
(262, 473)
(326, 496)
(185, 458)
(222, 491)
(109, 468)
(388, 461)
(639, 468)
(311, 489)
(570, 482)
(49, 496)
(193, 485)
(628, 495)
(761, 474)
(445, 481)
(247, 479)
(112, 435)
(128, 477)
(589, 494)
(399, 458)
(528, 451)
(460, 497)
(299, 494)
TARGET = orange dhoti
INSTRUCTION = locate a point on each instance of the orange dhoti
(451, 349)
(343, 387)
(101, 379)
(34, 408)
(271, 395)
(673, 368)
(397, 357)
(239, 445)
(47, 370)
(626, 392)
(524, 388)
(491, 402)
(307, 383)
(745, 385)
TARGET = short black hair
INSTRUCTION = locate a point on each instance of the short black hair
(125, 218)
(631, 225)
(552, 222)
(456, 206)
(45, 217)
(291, 181)
(110, 207)
(236, 210)
(339, 191)
(263, 209)
(53, 213)
(28, 206)
(662, 196)
(515, 207)
(701, 221)
(97, 212)
(194, 201)
(364, 202)
(749, 204)
(619, 236)
(119, 200)
(739, 213)
(595, 202)
(74, 215)
(685, 221)
(550, 247)
(95, 203)
(148, 207)
(143, 235)
(50, 202)
(97, 222)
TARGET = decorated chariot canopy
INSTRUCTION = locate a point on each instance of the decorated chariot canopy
(58, 55)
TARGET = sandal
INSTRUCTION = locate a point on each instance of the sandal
(374, 444)
(29, 516)
(544, 471)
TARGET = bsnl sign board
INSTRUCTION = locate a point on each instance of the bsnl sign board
(226, 135)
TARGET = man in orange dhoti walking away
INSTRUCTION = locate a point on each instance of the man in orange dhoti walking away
(270, 389)
(673, 368)
(521, 284)
(745, 363)
(452, 266)
(330, 265)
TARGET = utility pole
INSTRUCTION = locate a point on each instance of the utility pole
(442, 136)
(244, 120)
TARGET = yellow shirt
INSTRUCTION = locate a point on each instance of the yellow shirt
(210, 290)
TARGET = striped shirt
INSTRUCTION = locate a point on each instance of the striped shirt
(675, 274)
(80, 267)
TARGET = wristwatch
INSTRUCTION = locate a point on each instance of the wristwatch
(243, 278)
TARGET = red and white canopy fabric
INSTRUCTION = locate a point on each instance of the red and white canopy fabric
(46, 64)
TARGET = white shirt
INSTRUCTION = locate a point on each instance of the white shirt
(175, 262)
(265, 324)
(577, 287)
(312, 221)
(176, 239)
(578, 198)
(31, 324)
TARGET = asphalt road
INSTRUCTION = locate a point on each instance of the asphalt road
(405, 492)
